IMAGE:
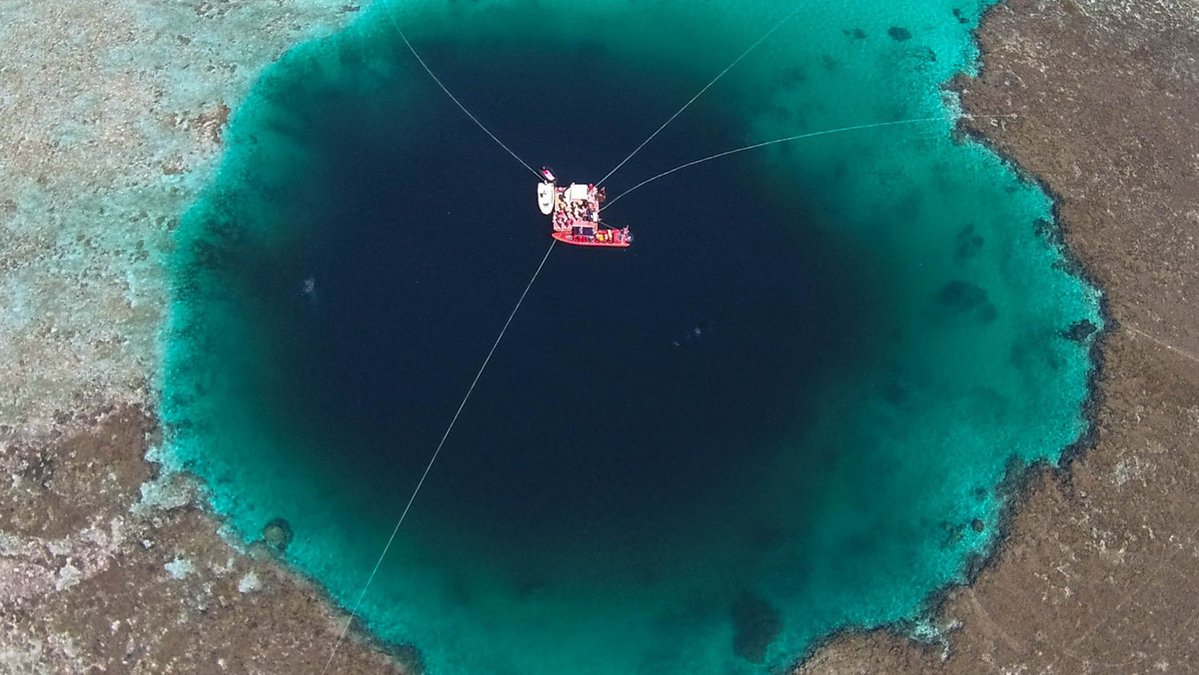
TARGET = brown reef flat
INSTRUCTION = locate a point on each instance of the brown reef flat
(1099, 569)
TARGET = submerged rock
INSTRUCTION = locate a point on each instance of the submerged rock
(756, 624)
(899, 33)
(968, 244)
(409, 658)
(963, 297)
(1079, 331)
(277, 534)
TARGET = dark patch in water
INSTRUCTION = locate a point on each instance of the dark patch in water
(794, 76)
(964, 297)
(968, 243)
(409, 658)
(1079, 331)
(277, 534)
(953, 533)
(756, 624)
(899, 33)
(895, 393)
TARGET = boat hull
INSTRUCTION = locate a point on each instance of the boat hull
(568, 238)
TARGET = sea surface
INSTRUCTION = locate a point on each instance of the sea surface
(787, 410)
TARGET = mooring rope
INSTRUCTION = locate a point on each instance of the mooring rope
(453, 98)
(813, 134)
(707, 86)
(433, 459)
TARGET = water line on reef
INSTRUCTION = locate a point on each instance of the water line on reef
(433, 459)
(813, 134)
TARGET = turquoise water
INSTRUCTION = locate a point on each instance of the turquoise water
(785, 411)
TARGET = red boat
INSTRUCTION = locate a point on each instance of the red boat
(574, 212)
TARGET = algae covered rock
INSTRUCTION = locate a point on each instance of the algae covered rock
(277, 534)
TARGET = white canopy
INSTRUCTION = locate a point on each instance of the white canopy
(577, 192)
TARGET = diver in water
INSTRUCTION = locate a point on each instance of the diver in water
(308, 289)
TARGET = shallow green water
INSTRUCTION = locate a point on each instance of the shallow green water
(779, 414)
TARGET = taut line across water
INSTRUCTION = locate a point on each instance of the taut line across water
(433, 459)
(812, 134)
(455, 98)
(707, 86)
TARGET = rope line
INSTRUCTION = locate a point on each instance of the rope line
(813, 134)
(701, 93)
(453, 98)
(429, 467)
